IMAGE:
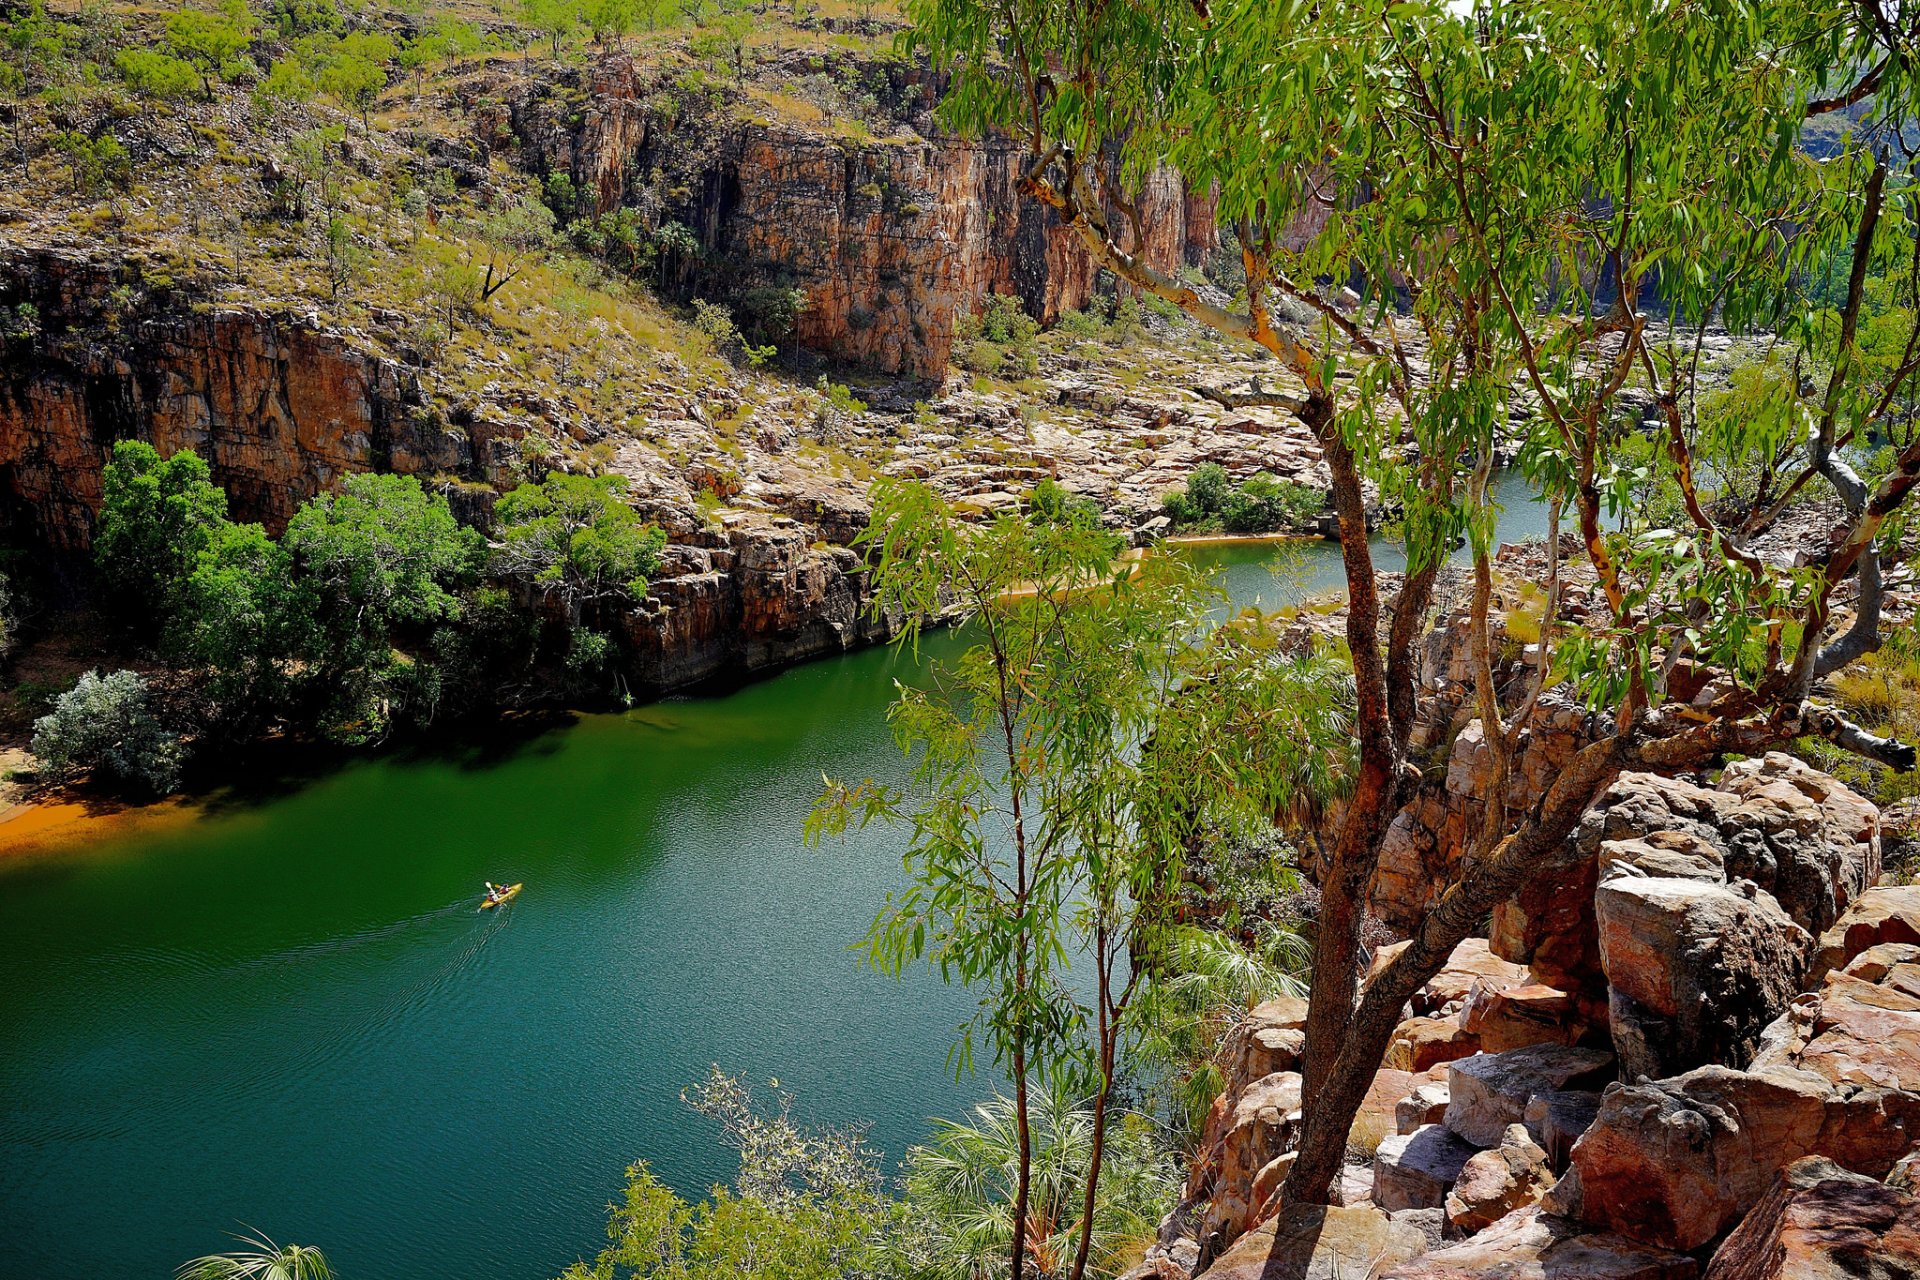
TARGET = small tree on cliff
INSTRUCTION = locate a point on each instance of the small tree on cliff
(1502, 190)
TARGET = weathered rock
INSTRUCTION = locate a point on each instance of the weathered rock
(1802, 836)
(1819, 1221)
(1877, 916)
(1376, 1119)
(1516, 1017)
(1261, 1125)
(1556, 1121)
(1414, 1170)
(1676, 1162)
(1494, 1183)
(1427, 1104)
(1471, 963)
(1695, 970)
(1314, 1242)
(1855, 1031)
(1796, 833)
(1431, 1223)
(1423, 1042)
(1490, 1091)
(1531, 1245)
(1271, 1039)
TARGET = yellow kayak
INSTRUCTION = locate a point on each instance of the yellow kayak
(512, 892)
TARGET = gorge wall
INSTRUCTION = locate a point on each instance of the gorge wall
(894, 239)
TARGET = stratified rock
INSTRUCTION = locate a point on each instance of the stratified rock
(1427, 1104)
(1549, 924)
(1677, 1162)
(1490, 1091)
(1877, 916)
(1315, 1242)
(1819, 1221)
(1556, 1121)
(1516, 1017)
(1695, 969)
(1531, 1245)
(1423, 1042)
(1494, 1183)
(1414, 1170)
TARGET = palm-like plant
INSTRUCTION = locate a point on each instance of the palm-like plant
(960, 1189)
(261, 1259)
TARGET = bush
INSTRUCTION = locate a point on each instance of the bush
(105, 725)
(1262, 504)
(1000, 331)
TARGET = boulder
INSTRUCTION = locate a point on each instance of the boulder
(1519, 1016)
(1269, 1040)
(1375, 1121)
(1677, 1162)
(1319, 1242)
(1425, 1041)
(1431, 1223)
(1427, 1104)
(1876, 916)
(1494, 1183)
(1695, 970)
(1556, 1121)
(1532, 1245)
(1800, 835)
(1549, 924)
(1818, 1221)
(1414, 1170)
(1490, 1091)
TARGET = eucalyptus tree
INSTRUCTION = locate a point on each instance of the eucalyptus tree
(1460, 220)
(1061, 768)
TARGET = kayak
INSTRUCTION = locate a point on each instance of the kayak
(488, 904)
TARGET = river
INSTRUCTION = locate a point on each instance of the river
(285, 1012)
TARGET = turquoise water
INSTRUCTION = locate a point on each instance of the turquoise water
(287, 1014)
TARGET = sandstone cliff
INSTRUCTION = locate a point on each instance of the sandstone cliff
(894, 237)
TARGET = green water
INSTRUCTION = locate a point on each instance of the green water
(287, 1013)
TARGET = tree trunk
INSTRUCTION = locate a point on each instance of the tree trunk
(1528, 851)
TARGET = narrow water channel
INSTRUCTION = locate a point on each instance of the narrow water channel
(285, 1013)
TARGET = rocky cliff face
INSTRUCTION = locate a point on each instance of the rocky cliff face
(283, 408)
(278, 406)
(893, 238)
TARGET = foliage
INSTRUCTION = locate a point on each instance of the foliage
(1059, 771)
(261, 1259)
(577, 536)
(960, 1190)
(243, 620)
(210, 41)
(807, 1204)
(156, 516)
(1259, 504)
(106, 725)
(380, 558)
(157, 74)
(1000, 331)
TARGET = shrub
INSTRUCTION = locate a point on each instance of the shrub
(1264, 504)
(577, 535)
(105, 725)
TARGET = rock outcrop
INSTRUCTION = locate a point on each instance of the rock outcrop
(1819, 1220)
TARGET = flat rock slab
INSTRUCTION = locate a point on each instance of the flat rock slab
(1820, 1221)
(1414, 1170)
(1530, 1245)
(1490, 1091)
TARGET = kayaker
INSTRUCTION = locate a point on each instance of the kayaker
(495, 892)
